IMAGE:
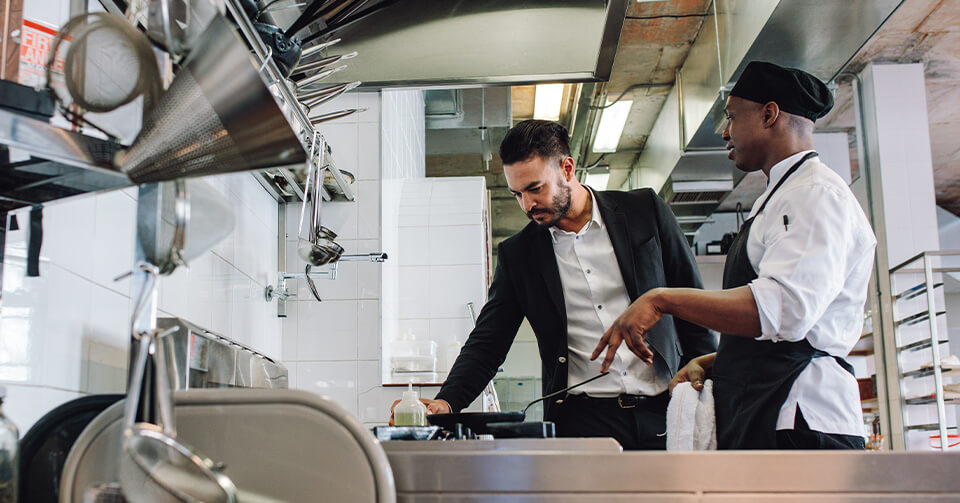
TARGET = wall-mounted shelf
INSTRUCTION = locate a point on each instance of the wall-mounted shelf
(62, 163)
(298, 117)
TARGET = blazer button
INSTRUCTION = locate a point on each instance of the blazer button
(562, 359)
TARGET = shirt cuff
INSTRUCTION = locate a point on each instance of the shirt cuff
(767, 295)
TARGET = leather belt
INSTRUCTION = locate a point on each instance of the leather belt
(625, 401)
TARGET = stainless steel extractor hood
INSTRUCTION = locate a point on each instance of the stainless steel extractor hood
(442, 44)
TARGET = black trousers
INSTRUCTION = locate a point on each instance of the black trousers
(802, 437)
(642, 426)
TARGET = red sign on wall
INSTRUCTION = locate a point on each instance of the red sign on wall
(35, 42)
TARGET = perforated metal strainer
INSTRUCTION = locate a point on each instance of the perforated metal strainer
(107, 63)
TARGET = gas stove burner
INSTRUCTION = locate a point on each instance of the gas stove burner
(390, 433)
(385, 433)
(458, 431)
(530, 429)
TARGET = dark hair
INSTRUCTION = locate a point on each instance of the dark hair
(544, 139)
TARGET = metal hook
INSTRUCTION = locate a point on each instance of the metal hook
(266, 59)
(306, 183)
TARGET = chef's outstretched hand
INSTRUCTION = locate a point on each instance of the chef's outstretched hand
(433, 407)
(630, 328)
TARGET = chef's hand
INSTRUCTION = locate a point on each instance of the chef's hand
(630, 327)
(433, 407)
(694, 372)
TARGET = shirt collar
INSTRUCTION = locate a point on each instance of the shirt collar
(776, 174)
(779, 169)
(595, 219)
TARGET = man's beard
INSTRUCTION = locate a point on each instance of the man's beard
(559, 208)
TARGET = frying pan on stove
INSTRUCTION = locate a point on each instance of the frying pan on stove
(478, 422)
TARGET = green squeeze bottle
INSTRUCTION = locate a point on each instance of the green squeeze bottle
(410, 411)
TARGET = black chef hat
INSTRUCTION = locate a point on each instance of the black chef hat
(794, 91)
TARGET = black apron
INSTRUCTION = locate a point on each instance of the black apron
(751, 378)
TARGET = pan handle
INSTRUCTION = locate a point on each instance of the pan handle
(564, 390)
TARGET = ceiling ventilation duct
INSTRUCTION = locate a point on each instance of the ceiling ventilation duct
(697, 191)
(454, 117)
(685, 145)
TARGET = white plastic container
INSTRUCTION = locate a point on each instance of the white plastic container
(414, 356)
(402, 364)
(410, 411)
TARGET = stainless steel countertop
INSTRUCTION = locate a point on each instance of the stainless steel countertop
(534, 470)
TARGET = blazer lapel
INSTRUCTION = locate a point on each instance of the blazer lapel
(551, 273)
(615, 221)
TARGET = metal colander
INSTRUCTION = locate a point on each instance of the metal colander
(218, 116)
(106, 63)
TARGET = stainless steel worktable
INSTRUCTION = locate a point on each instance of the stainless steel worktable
(568, 470)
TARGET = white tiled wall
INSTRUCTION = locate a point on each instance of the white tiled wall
(65, 334)
(332, 348)
(440, 266)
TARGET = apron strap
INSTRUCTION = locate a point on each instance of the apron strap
(786, 175)
(843, 363)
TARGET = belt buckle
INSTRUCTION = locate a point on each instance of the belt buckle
(622, 406)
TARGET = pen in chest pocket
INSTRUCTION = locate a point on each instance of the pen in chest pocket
(786, 223)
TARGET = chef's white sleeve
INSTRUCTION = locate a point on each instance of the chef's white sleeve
(803, 264)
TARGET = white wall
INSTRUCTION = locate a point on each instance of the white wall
(65, 334)
(332, 347)
(441, 264)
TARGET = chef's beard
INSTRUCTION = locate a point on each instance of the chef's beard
(559, 208)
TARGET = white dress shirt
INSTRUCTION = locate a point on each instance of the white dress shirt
(813, 270)
(594, 296)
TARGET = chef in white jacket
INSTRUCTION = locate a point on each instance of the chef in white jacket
(794, 286)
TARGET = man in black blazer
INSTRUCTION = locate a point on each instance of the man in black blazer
(583, 252)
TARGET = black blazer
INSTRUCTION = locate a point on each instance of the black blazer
(651, 251)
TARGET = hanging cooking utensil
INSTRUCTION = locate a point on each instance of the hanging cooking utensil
(478, 421)
(310, 284)
(303, 83)
(303, 69)
(348, 21)
(319, 119)
(218, 116)
(167, 23)
(344, 13)
(271, 6)
(194, 217)
(337, 89)
(317, 10)
(313, 50)
(319, 100)
(106, 63)
(154, 466)
(319, 248)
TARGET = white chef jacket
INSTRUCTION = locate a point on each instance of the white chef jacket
(813, 272)
(594, 296)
